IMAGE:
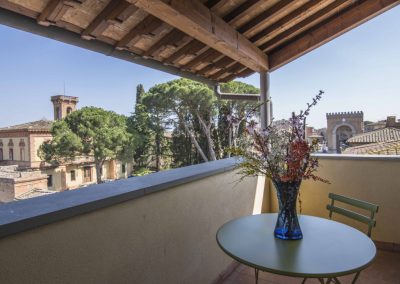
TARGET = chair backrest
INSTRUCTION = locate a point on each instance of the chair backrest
(372, 208)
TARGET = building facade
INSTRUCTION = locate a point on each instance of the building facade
(341, 126)
(22, 170)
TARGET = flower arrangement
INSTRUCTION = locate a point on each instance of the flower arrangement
(283, 155)
(278, 152)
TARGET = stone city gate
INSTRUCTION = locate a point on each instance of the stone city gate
(341, 126)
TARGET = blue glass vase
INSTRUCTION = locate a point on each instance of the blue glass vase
(287, 225)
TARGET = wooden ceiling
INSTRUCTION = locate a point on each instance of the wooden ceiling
(215, 40)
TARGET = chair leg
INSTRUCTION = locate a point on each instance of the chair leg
(256, 274)
(356, 277)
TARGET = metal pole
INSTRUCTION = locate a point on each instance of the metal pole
(265, 108)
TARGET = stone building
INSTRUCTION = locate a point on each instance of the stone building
(341, 126)
(22, 170)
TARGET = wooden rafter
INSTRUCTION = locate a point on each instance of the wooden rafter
(55, 10)
(115, 11)
(206, 56)
(195, 19)
(173, 36)
(191, 47)
(265, 15)
(219, 64)
(281, 37)
(286, 20)
(149, 24)
(247, 5)
(239, 10)
(329, 29)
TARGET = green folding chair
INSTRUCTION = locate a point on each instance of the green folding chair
(368, 219)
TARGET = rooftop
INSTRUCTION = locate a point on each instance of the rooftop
(380, 148)
(39, 125)
(380, 135)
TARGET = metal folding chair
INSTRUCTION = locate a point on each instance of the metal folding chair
(366, 219)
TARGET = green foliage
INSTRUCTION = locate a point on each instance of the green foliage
(139, 126)
(89, 131)
(229, 132)
(142, 172)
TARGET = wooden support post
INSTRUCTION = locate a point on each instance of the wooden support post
(265, 108)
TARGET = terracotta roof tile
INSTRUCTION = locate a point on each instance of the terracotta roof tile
(39, 125)
(379, 135)
(380, 148)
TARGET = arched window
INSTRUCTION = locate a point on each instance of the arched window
(22, 150)
(22, 154)
(10, 143)
(11, 154)
(58, 113)
(69, 110)
(1, 154)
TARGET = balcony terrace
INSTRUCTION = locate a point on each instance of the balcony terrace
(161, 228)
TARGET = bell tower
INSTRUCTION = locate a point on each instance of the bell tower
(63, 105)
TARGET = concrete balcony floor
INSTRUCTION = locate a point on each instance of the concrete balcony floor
(384, 270)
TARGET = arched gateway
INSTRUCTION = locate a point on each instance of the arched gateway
(342, 126)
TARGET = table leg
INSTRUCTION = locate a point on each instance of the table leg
(256, 273)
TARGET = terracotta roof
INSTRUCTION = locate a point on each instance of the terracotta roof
(40, 125)
(379, 135)
(381, 148)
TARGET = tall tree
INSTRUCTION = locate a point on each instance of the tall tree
(139, 126)
(232, 114)
(89, 131)
(191, 102)
(158, 121)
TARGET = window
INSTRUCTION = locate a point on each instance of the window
(11, 154)
(73, 177)
(49, 181)
(87, 174)
(1, 154)
(58, 113)
(69, 110)
(123, 168)
(22, 154)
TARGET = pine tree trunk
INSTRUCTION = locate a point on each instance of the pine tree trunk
(207, 133)
(98, 166)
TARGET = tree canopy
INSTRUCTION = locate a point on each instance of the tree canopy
(89, 131)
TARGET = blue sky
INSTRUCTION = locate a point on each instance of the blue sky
(358, 71)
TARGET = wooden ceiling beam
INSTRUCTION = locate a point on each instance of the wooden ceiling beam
(219, 64)
(211, 3)
(109, 15)
(280, 24)
(55, 10)
(256, 21)
(196, 20)
(191, 47)
(146, 26)
(233, 70)
(239, 10)
(207, 56)
(173, 36)
(330, 29)
(281, 37)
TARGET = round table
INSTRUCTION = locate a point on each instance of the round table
(328, 249)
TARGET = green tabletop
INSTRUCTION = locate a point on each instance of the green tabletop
(328, 248)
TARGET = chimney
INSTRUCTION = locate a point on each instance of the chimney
(391, 121)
